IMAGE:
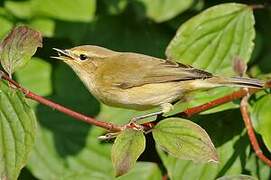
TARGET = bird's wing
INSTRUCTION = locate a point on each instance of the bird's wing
(133, 70)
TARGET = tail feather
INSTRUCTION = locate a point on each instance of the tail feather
(240, 82)
(236, 82)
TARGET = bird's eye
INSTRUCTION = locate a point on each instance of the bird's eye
(83, 57)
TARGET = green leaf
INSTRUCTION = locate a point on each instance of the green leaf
(237, 177)
(142, 170)
(126, 149)
(18, 47)
(82, 10)
(6, 26)
(261, 118)
(26, 10)
(257, 167)
(185, 140)
(212, 39)
(17, 132)
(66, 10)
(41, 83)
(20, 9)
(227, 132)
(162, 10)
(45, 25)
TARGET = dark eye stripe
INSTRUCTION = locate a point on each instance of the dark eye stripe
(83, 57)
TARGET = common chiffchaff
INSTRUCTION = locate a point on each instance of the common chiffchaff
(138, 81)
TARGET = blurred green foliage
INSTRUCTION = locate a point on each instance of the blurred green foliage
(68, 149)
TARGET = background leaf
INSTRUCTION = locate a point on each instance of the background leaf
(6, 26)
(80, 10)
(41, 83)
(261, 118)
(17, 132)
(211, 41)
(126, 149)
(142, 170)
(185, 140)
(18, 48)
(162, 10)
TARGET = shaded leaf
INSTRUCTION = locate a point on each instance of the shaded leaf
(261, 118)
(212, 39)
(185, 140)
(17, 132)
(114, 6)
(18, 47)
(126, 149)
(147, 38)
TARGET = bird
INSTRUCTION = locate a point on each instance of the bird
(137, 81)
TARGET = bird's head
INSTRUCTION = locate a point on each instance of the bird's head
(84, 58)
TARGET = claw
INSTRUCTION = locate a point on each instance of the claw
(108, 136)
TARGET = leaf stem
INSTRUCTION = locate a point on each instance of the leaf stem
(250, 131)
(106, 125)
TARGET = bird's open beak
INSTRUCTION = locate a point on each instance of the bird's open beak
(63, 55)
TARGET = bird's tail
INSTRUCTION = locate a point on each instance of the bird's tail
(238, 82)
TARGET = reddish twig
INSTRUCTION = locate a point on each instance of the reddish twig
(250, 131)
(106, 125)
(231, 97)
(114, 128)
(165, 177)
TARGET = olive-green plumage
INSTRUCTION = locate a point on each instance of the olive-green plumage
(138, 81)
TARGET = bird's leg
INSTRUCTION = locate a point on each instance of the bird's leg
(165, 108)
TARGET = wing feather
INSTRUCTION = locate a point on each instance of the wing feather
(132, 70)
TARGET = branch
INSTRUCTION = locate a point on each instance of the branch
(250, 131)
(225, 99)
(106, 125)
(115, 128)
